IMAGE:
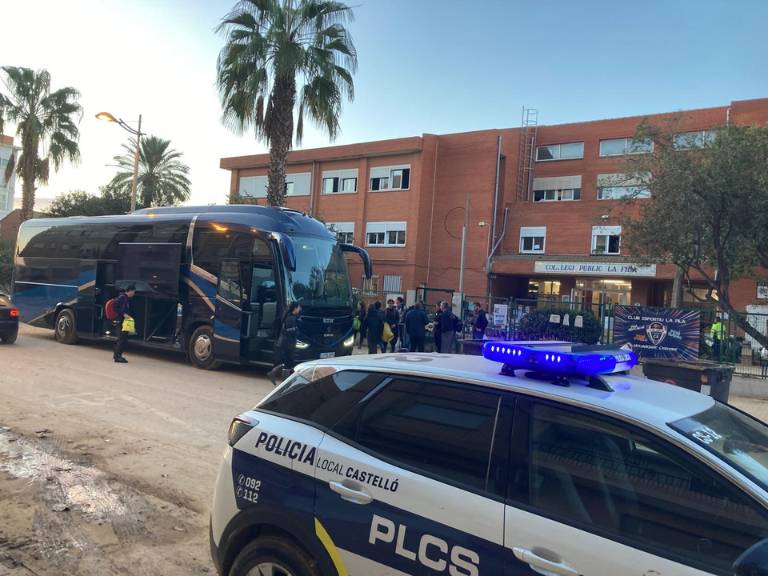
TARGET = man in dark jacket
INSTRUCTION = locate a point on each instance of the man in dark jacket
(449, 324)
(122, 306)
(415, 323)
(375, 323)
(436, 333)
(479, 322)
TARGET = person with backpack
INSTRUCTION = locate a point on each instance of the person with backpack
(116, 311)
(286, 343)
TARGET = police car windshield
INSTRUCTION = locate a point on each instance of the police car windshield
(734, 437)
(321, 279)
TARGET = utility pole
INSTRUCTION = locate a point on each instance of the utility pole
(463, 251)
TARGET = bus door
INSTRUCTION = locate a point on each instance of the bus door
(103, 292)
(230, 319)
(264, 310)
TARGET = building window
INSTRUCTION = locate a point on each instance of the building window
(622, 146)
(606, 239)
(371, 285)
(3, 164)
(390, 178)
(532, 239)
(696, 139)
(620, 186)
(385, 233)
(570, 151)
(392, 283)
(290, 189)
(253, 186)
(345, 231)
(340, 181)
(556, 195)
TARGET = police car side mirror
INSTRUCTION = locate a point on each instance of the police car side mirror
(753, 562)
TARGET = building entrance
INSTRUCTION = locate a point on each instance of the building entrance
(603, 292)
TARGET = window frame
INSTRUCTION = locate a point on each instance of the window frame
(628, 140)
(598, 233)
(700, 138)
(559, 152)
(390, 177)
(558, 194)
(518, 494)
(498, 454)
(386, 232)
(531, 235)
(338, 177)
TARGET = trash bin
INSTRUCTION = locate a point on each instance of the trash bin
(692, 375)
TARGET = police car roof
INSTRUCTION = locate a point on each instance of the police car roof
(654, 403)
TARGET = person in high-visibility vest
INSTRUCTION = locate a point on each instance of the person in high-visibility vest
(717, 333)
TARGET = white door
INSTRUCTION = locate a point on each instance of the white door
(402, 483)
(601, 498)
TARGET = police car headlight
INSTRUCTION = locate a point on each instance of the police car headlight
(301, 345)
(349, 342)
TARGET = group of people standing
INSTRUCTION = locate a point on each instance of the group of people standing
(404, 328)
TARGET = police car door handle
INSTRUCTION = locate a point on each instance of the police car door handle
(547, 566)
(351, 494)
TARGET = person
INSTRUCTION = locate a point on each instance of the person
(479, 322)
(716, 333)
(122, 307)
(286, 343)
(415, 327)
(401, 312)
(763, 361)
(361, 317)
(449, 325)
(375, 325)
(392, 317)
(436, 334)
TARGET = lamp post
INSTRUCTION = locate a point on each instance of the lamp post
(136, 132)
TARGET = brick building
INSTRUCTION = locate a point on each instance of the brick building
(555, 190)
(6, 188)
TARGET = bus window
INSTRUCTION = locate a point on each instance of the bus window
(230, 286)
(210, 246)
(263, 287)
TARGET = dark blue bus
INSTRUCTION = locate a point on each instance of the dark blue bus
(212, 281)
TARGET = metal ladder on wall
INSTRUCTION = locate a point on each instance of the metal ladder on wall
(528, 125)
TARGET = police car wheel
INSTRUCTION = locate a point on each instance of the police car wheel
(272, 556)
(64, 328)
(200, 349)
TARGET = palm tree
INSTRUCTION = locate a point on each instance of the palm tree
(271, 45)
(162, 177)
(46, 123)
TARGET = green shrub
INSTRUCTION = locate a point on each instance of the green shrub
(6, 265)
(535, 325)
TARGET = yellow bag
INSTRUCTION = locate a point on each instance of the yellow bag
(388, 334)
(129, 325)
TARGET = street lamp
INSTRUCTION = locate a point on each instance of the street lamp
(136, 132)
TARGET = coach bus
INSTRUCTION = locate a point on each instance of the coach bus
(212, 281)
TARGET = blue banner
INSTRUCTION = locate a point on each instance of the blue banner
(667, 333)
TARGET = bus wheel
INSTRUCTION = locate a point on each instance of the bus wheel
(64, 329)
(201, 349)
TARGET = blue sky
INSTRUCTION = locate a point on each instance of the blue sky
(425, 66)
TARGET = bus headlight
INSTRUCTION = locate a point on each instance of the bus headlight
(349, 342)
(301, 345)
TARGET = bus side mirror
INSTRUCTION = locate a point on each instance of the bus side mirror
(753, 561)
(364, 256)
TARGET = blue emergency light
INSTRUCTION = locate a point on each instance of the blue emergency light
(543, 360)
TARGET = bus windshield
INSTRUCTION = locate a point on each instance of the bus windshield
(321, 279)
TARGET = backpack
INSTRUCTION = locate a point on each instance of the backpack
(110, 309)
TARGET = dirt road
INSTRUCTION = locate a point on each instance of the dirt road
(108, 468)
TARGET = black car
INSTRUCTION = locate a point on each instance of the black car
(9, 321)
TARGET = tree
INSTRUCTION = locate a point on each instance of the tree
(162, 177)
(7, 248)
(708, 211)
(80, 203)
(46, 123)
(271, 45)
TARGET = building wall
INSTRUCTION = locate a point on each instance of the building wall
(445, 169)
(6, 188)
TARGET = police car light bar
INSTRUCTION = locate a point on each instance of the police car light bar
(546, 361)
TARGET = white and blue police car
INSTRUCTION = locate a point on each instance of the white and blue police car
(534, 459)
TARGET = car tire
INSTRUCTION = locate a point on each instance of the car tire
(200, 349)
(283, 557)
(64, 327)
(10, 338)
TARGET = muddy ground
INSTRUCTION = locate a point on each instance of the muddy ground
(106, 468)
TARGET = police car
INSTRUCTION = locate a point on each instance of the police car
(534, 459)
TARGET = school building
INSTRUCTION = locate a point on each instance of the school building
(6, 186)
(544, 214)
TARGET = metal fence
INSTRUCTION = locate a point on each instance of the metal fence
(724, 340)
